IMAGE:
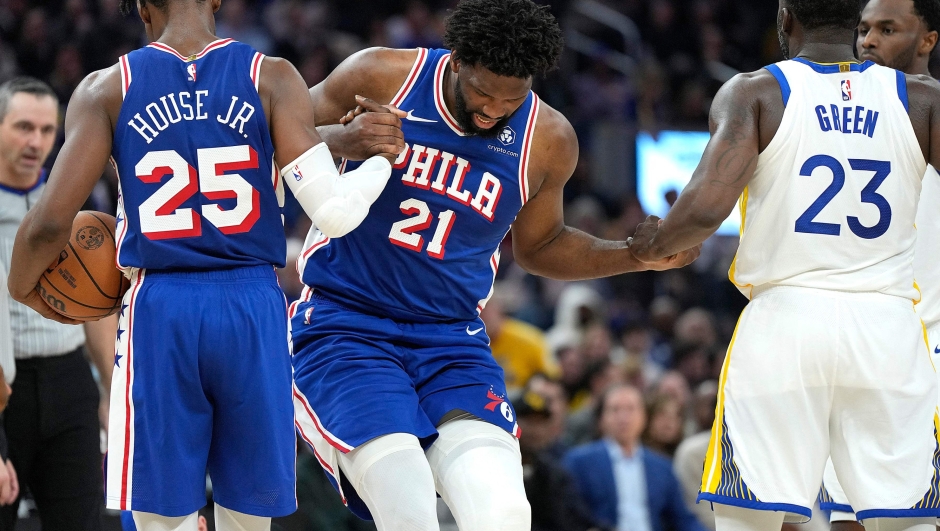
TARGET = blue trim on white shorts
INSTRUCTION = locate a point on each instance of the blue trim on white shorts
(833, 506)
(760, 506)
(898, 513)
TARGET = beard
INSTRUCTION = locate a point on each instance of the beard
(465, 119)
(904, 60)
(781, 36)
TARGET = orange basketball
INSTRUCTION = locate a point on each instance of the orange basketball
(83, 282)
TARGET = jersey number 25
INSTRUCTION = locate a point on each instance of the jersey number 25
(160, 215)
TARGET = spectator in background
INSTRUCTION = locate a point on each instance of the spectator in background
(557, 400)
(690, 456)
(236, 21)
(52, 419)
(417, 28)
(664, 429)
(556, 506)
(627, 486)
(518, 347)
(578, 307)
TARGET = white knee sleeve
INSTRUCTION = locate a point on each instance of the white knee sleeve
(229, 520)
(900, 524)
(336, 204)
(155, 522)
(478, 471)
(392, 477)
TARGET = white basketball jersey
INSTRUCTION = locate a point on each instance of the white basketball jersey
(927, 250)
(832, 202)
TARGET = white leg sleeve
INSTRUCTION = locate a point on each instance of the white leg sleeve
(478, 471)
(391, 475)
(336, 204)
(730, 518)
(900, 524)
(155, 522)
(229, 520)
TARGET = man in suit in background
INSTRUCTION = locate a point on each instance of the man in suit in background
(627, 486)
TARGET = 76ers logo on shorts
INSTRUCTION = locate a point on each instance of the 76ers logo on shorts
(496, 400)
(846, 90)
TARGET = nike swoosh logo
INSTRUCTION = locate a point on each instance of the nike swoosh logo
(474, 332)
(936, 350)
(414, 118)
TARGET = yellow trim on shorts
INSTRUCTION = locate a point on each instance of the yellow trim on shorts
(711, 477)
(742, 206)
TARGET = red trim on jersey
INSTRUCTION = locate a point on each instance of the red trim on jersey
(209, 47)
(316, 246)
(439, 97)
(339, 445)
(306, 439)
(125, 75)
(412, 77)
(526, 147)
(127, 393)
(256, 69)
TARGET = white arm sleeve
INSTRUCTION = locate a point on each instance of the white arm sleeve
(336, 204)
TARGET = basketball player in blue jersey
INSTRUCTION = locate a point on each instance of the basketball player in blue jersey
(901, 34)
(196, 128)
(396, 388)
(829, 358)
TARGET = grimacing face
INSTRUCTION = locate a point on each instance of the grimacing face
(27, 134)
(484, 101)
(889, 33)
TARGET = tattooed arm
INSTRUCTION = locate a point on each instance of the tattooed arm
(724, 171)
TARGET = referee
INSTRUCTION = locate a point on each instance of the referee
(52, 418)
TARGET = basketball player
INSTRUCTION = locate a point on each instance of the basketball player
(827, 156)
(391, 356)
(900, 34)
(196, 127)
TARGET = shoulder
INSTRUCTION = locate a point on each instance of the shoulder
(100, 89)
(921, 88)
(747, 88)
(377, 73)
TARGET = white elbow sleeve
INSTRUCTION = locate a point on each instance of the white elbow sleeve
(336, 204)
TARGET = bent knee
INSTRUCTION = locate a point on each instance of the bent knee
(507, 512)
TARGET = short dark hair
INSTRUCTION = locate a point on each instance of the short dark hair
(929, 11)
(815, 14)
(29, 85)
(515, 38)
(127, 6)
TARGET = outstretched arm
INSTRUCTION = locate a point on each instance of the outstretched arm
(45, 229)
(542, 244)
(726, 167)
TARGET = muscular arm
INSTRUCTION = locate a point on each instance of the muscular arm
(45, 229)
(726, 167)
(290, 112)
(377, 74)
(542, 244)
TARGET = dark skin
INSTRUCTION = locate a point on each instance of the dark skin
(891, 34)
(90, 121)
(542, 244)
(744, 118)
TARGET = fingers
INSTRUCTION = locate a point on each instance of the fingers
(371, 105)
(395, 110)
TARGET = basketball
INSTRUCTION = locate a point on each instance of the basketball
(83, 282)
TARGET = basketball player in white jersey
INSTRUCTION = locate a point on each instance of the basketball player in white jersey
(901, 34)
(827, 156)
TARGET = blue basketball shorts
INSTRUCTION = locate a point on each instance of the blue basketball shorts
(202, 382)
(360, 376)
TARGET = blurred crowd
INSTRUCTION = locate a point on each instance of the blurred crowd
(595, 368)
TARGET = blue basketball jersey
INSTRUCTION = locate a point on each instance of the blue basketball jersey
(429, 248)
(194, 157)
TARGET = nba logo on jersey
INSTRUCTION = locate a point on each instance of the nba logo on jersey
(191, 69)
(846, 90)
